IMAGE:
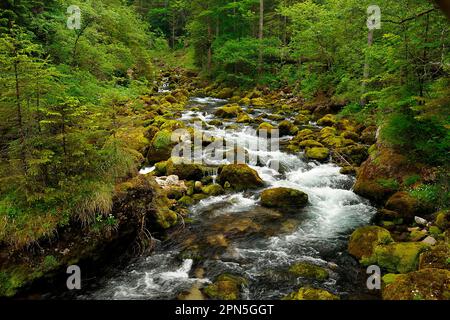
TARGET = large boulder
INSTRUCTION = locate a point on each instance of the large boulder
(284, 198)
(426, 284)
(317, 153)
(161, 147)
(404, 204)
(239, 177)
(184, 170)
(380, 176)
(398, 257)
(287, 128)
(364, 240)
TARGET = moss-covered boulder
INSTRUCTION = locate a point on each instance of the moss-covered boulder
(404, 204)
(398, 257)
(213, 190)
(161, 147)
(266, 128)
(302, 119)
(186, 201)
(239, 177)
(310, 144)
(185, 171)
(380, 175)
(144, 200)
(226, 287)
(427, 284)
(306, 270)
(244, 118)
(311, 294)
(284, 198)
(319, 154)
(287, 128)
(229, 111)
(364, 240)
(437, 257)
(304, 134)
(327, 121)
(258, 102)
(350, 135)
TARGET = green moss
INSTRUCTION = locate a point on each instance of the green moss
(427, 284)
(411, 180)
(50, 262)
(267, 127)
(311, 294)
(319, 154)
(185, 171)
(240, 177)
(229, 111)
(328, 120)
(310, 144)
(435, 232)
(213, 190)
(443, 219)
(166, 218)
(307, 270)
(389, 278)
(226, 287)
(186, 201)
(287, 128)
(364, 240)
(400, 257)
(389, 184)
(284, 198)
(161, 168)
(244, 118)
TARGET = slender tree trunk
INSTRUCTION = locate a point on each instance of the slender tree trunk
(20, 116)
(366, 68)
(261, 35)
(209, 46)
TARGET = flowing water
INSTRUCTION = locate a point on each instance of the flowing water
(233, 234)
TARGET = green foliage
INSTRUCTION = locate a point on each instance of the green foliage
(63, 146)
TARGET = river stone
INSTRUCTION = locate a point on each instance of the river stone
(364, 240)
(319, 154)
(311, 294)
(226, 287)
(284, 198)
(239, 177)
(229, 111)
(307, 270)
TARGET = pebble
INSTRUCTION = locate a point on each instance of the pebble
(420, 221)
(430, 240)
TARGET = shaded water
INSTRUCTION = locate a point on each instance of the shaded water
(234, 234)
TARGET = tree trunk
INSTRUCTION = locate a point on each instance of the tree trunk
(261, 35)
(20, 116)
(209, 46)
(366, 68)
